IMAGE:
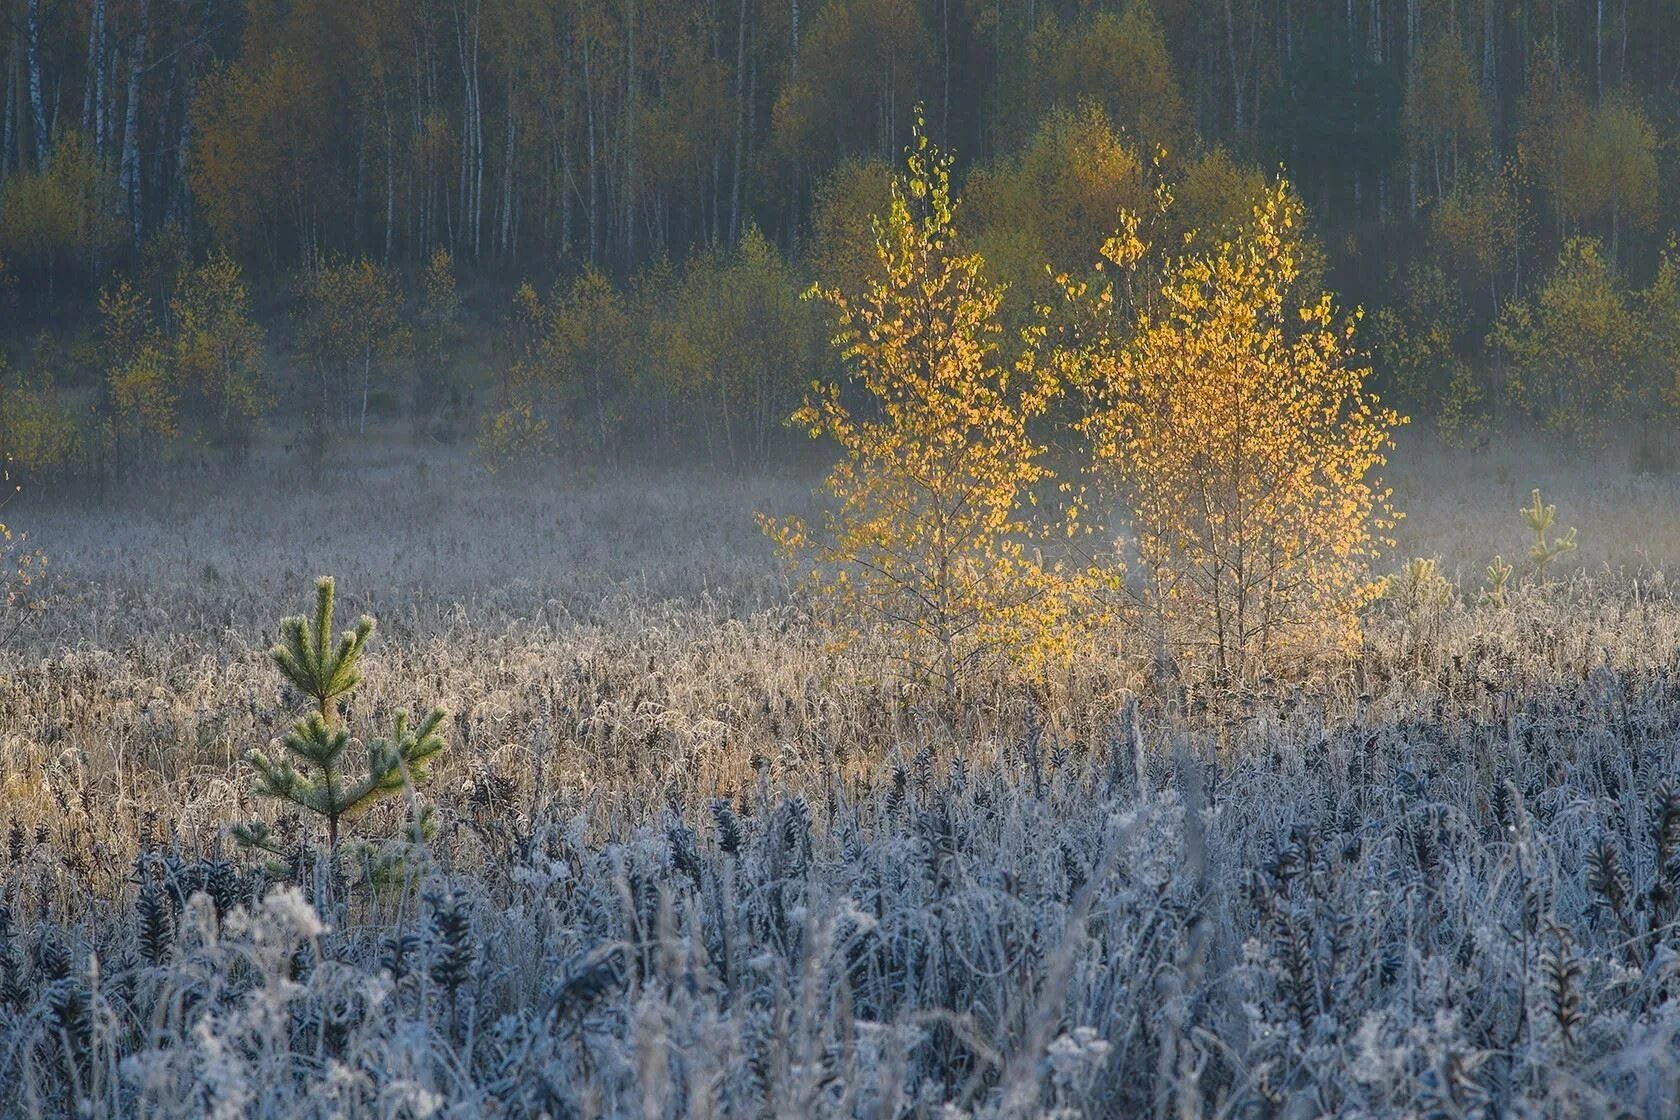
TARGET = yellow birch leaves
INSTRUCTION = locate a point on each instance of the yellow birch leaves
(929, 533)
(1237, 428)
(1224, 410)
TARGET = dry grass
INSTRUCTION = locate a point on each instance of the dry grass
(709, 866)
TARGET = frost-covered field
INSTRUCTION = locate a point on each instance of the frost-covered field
(692, 861)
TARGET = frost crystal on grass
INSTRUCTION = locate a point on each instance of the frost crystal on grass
(1438, 884)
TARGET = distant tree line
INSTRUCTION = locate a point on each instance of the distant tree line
(1492, 179)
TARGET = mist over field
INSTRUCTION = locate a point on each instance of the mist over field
(839, 558)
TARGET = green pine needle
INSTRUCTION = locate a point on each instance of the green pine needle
(315, 772)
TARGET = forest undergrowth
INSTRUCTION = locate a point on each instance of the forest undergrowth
(687, 858)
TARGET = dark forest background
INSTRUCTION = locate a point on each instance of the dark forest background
(583, 226)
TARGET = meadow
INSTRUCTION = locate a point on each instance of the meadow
(692, 858)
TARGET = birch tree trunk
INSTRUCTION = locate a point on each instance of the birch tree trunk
(93, 84)
(32, 60)
(630, 69)
(740, 125)
(505, 235)
(594, 177)
(128, 185)
(793, 49)
(390, 178)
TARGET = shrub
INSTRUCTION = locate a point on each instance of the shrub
(325, 671)
(1237, 425)
(20, 568)
(938, 473)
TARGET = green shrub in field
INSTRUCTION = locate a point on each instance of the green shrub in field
(1540, 518)
(1499, 579)
(318, 771)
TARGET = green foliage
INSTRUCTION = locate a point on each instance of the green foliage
(1598, 164)
(60, 214)
(1444, 116)
(393, 763)
(141, 400)
(1213, 198)
(314, 772)
(1477, 230)
(308, 657)
(216, 355)
(571, 375)
(737, 347)
(1572, 350)
(1418, 587)
(513, 437)
(1462, 417)
(257, 149)
(857, 59)
(1539, 518)
(350, 324)
(846, 206)
(1499, 581)
(437, 332)
(194, 375)
(1117, 63)
(37, 432)
(1659, 310)
(1615, 181)
(1415, 348)
(624, 144)
(1054, 202)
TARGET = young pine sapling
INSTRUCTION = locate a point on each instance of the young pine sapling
(1499, 579)
(314, 772)
(1540, 518)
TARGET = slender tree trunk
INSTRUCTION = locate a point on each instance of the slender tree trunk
(508, 143)
(594, 176)
(129, 180)
(793, 47)
(478, 137)
(566, 192)
(390, 180)
(8, 129)
(1621, 57)
(466, 127)
(740, 125)
(93, 105)
(32, 59)
(630, 76)
(361, 182)
(470, 23)
(717, 155)
(1490, 58)
(1238, 116)
(945, 98)
(91, 72)
(1598, 48)
(179, 204)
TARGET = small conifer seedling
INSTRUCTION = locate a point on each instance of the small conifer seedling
(309, 659)
(314, 772)
(1499, 578)
(1540, 518)
(1419, 586)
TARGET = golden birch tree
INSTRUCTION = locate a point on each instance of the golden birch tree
(928, 532)
(1235, 420)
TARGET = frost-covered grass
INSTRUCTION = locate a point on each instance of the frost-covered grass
(692, 861)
